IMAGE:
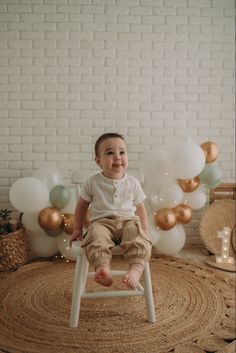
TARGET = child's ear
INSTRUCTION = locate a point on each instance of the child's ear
(97, 160)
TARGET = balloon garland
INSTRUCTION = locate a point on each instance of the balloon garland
(175, 182)
(48, 207)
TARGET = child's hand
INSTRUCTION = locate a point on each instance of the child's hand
(77, 235)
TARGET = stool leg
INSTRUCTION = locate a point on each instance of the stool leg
(80, 277)
(85, 267)
(148, 294)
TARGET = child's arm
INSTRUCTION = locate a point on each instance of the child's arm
(142, 213)
(79, 219)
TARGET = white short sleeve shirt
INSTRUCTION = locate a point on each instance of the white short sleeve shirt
(110, 197)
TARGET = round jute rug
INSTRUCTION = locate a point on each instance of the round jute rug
(195, 308)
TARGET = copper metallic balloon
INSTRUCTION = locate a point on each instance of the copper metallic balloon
(210, 150)
(183, 213)
(50, 219)
(189, 185)
(165, 218)
(68, 223)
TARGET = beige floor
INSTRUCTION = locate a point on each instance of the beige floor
(200, 255)
(196, 254)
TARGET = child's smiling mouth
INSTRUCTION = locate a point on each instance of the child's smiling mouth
(117, 165)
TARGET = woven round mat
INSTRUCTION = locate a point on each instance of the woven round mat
(218, 215)
(195, 309)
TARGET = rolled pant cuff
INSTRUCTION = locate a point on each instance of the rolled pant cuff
(100, 262)
(137, 260)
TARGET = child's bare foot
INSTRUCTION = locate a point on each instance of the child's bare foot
(133, 276)
(103, 275)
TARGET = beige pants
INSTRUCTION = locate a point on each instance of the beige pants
(103, 234)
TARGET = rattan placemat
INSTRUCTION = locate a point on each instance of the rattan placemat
(195, 309)
(218, 215)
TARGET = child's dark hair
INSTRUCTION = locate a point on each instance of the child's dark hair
(104, 137)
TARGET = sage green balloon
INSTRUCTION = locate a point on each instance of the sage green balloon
(210, 177)
(59, 196)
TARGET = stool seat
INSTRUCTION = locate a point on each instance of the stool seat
(80, 279)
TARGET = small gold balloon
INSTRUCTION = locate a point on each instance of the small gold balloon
(165, 218)
(189, 185)
(210, 150)
(183, 213)
(50, 219)
(68, 223)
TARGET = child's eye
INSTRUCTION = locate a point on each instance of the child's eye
(109, 153)
(122, 152)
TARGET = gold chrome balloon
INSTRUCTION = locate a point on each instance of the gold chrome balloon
(50, 218)
(165, 218)
(183, 213)
(210, 150)
(68, 223)
(189, 185)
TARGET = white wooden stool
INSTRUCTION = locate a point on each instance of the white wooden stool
(80, 279)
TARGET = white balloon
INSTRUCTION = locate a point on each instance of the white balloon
(51, 177)
(41, 244)
(154, 234)
(152, 229)
(152, 202)
(149, 189)
(154, 166)
(156, 202)
(170, 196)
(29, 195)
(171, 241)
(196, 199)
(30, 221)
(69, 252)
(186, 160)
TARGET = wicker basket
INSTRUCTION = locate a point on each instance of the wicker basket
(218, 215)
(13, 250)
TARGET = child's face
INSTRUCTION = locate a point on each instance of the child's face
(112, 157)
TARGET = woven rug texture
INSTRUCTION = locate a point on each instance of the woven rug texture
(195, 309)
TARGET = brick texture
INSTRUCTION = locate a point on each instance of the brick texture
(157, 71)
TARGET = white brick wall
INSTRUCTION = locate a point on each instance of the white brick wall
(157, 71)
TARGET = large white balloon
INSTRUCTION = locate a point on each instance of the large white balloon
(30, 221)
(171, 241)
(69, 252)
(152, 229)
(153, 202)
(186, 160)
(171, 196)
(51, 177)
(41, 244)
(154, 166)
(29, 195)
(196, 199)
